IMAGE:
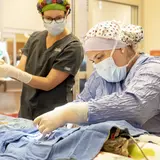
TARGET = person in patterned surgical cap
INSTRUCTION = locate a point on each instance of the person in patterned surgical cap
(125, 84)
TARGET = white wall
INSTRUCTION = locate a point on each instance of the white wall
(151, 24)
(87, 15)
(81, 18)
(1, 18)
(101, 11)
(21, 14)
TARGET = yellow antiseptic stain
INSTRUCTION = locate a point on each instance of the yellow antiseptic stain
(136, 154)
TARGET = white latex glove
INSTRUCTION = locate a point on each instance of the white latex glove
(70, 113)
(7, 70)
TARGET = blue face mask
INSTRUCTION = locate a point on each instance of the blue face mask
(108, 70)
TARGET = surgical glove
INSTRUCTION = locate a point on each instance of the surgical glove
(70, 113)
(7, 70)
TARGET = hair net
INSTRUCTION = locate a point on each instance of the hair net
(131, 34)
(102, 44)
(104, 35)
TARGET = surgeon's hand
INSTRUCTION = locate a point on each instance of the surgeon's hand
(51, 120)
(7, 70)
(70, 113)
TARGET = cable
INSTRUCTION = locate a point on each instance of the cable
(138, 147)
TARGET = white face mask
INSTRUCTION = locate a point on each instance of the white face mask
(108, 70)
(55, 28)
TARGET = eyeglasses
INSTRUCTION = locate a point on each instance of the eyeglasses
(50, 20)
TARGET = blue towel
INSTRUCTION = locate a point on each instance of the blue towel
(82, 143)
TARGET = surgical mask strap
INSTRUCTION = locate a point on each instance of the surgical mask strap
(131, 59)
(114, 47)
